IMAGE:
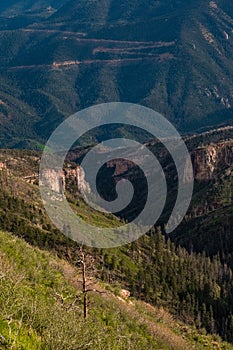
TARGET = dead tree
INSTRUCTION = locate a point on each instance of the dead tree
(84, 283)
(87, 287)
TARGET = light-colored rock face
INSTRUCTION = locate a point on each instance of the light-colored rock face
(77, 175)
(81, 182)
(188, 173)
(211, 160)
(55, 180)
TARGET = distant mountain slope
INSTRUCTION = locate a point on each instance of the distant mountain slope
(142, 19)
(175, 57)
(17, 7)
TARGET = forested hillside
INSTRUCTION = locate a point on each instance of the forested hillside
(19, 7)
(193, 282)
(163, 291)
(177, 56)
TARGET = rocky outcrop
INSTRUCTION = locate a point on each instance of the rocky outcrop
(212, 160)
(77, 175)
(120, 166)
(124, 293)
(57, 180)
(209, 162)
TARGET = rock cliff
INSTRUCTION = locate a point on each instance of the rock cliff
(212, 161)
(57, 180)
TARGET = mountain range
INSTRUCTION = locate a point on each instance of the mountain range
(163, 291)
(172, 56)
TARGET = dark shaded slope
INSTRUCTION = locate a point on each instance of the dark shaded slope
(175, 57)
(18, 7)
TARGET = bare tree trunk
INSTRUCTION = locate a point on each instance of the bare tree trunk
(85, 306)
(85, 301)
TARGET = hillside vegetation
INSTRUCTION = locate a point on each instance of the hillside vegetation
(174, 57)
(41, 308)
(194, 285)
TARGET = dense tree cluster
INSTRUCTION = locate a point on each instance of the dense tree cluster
(196, 288)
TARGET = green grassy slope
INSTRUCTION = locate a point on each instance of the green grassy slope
(41, 308)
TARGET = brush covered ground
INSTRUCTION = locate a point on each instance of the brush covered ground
(193, 282)
(41, 308)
